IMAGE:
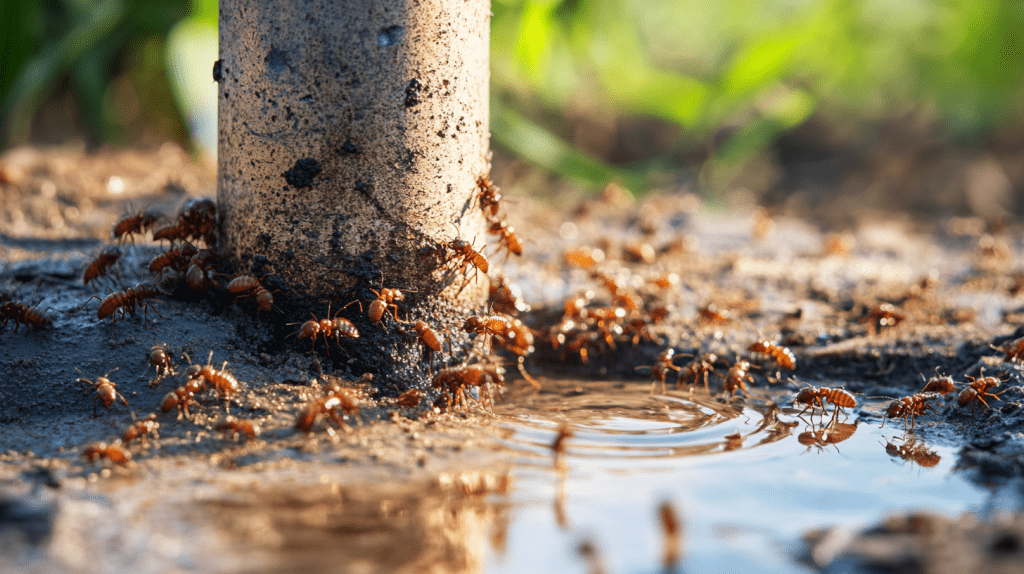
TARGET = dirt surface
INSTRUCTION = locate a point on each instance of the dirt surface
(701, 281)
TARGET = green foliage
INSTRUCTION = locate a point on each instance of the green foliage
(761, 67)
(735, 72)
(77, 41)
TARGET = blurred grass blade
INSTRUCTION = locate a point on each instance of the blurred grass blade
(534, 42)
(39, 74)
(760, 64)
(532, 142)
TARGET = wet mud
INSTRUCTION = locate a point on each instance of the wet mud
(874, 312)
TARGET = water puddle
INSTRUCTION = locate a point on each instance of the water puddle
(744, 482)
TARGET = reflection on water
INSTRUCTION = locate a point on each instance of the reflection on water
(742, 482)
(912, 450)
(600, 477)
(436, 527)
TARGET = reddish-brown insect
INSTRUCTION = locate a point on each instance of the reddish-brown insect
(497, 326)
(602, 316)
(620, 295)
(125, 301)
(465, 256)
(574, 307)
(429, 338)
(102, 264)
(105, 391)
(583, 256)
(410, 399)
(783, 357)
(883, 316)
(576, 342)
(454, 381)
(666, 281)
(661, 368)
(140, 429)
(249, 286)
(639, 252)
(336, 327)
(199, 275)
(114, 452)
(161, 361)
(175, 257)
(171, 232)
(811, 396)
(343, 400)
(940, 385)
(735, 377)
(910, 408)
(506, 297)
(507, 236)
(180, 398)
(638, 328)
(385, 299)
(1014, 352)
(979, 389)
(135, 223)
(23, 314)
(220, 380)
(238, 427)
(701, 366)
(198, 219)
(658, 314)
(711, 314)
(489, 196)
(519, 340)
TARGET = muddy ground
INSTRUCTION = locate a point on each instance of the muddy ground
(720, 280)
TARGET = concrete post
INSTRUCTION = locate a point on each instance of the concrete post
(351, 136)
(351, 130)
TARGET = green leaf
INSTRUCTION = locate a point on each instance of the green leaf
(761, 63)
(532, 142)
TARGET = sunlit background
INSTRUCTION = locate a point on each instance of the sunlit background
(773, 100)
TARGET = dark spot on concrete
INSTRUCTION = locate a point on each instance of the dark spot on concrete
(362, 187)
(390, 36)
(288, 255)
(450, 188)
(41, 475)
(413, 93)
(274, 283)
(29, 519)
(349, 148)
(264, 239)
(302, 173)
(217, 71)
(277, 63)
(409, 159)
(259, 263)
(1007, 543)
